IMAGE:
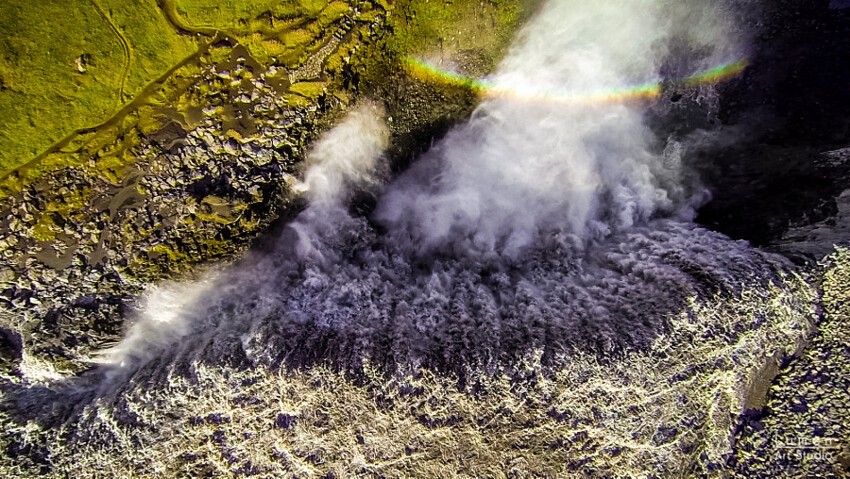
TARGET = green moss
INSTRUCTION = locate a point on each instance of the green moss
(235, 16)
(112, 167)
(311, 90)
(333, 12)
(272, 30)
(70, 205)
(296, 39)
(169, 253)
(288, 33)
(45, 229)
(288, 49)
(55, 81)
(58, 80)
(107, 150)
(449, 27)
(162, 260)
(155, 46)
(73, 202)
(50, 97)
(282, 32)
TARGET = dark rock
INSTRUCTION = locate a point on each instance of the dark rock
(284, 421)
(218, 418)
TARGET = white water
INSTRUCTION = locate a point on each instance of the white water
(534, 224)
(520, 169)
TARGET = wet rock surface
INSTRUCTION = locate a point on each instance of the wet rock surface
(787, 121)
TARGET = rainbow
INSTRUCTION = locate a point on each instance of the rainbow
(645, 92)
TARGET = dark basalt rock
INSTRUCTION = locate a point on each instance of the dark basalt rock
(790, 107)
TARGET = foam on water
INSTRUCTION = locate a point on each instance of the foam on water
(533, 226)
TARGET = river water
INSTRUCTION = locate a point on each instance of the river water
(552, 220)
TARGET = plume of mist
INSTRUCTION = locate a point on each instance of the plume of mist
(163, 318)
(573, 189)
(346, 159)
(521, 169)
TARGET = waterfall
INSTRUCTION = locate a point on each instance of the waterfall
(551, 220)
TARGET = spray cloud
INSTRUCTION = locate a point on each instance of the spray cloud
(533, 225)
(519, 169)
(346, 159)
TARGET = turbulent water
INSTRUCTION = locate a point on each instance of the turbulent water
(531, 298)
(541, 224)
(552, 225)
(374, 302)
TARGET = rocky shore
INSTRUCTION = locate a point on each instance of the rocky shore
(79, 246)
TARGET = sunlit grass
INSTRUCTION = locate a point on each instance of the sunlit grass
(67, 65)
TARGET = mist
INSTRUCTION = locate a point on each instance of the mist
(524, 168)
(346, 159)
(541, 223)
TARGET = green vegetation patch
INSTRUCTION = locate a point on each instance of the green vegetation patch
(272, 30)
(69, 65)
(55, 213)
(239, 16)
(57, 82)
(452, 29)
